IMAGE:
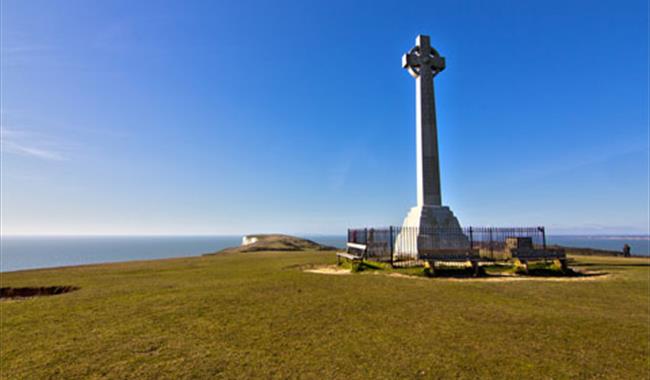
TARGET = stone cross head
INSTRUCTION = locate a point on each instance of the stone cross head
(423, 59)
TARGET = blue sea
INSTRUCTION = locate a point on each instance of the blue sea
(18, 253)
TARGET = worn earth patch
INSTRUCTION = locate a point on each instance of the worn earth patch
(584, 276)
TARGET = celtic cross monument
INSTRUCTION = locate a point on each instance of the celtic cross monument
(436, 224)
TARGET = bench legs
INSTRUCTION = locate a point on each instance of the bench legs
(475, 268)
(563, 265)
(430, 268)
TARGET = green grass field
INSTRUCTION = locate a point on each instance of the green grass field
(261, 316)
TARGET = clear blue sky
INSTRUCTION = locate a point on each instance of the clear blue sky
(222, 117)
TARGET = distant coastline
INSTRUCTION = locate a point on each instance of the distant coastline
(32, 252)
(608, 237)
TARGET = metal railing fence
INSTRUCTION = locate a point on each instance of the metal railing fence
(402, 244)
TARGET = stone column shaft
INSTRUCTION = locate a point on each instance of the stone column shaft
(428, 165)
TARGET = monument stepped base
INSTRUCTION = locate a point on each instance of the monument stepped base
(437, 228)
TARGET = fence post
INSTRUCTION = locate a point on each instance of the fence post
(471, 238)
(543, 237)
(491, 243)
(390, 242)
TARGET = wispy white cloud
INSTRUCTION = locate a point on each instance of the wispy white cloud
(29, 145)
(11, 147)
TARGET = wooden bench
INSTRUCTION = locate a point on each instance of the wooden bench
(355, 252)
(345, 255)
(430, 265)
(522, 257)
(449, 254)
(357, 246)
(437, 255)
(538, 254)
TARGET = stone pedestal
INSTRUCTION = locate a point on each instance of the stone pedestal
(429, 228)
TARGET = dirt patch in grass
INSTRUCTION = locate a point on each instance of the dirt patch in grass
(595, 276)
(9, 292)
(577, 276)
(330, 269)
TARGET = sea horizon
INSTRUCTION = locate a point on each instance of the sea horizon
(597, 235)
(25, 252)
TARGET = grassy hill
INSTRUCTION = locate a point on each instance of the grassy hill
(275, 242)
(262, 316)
